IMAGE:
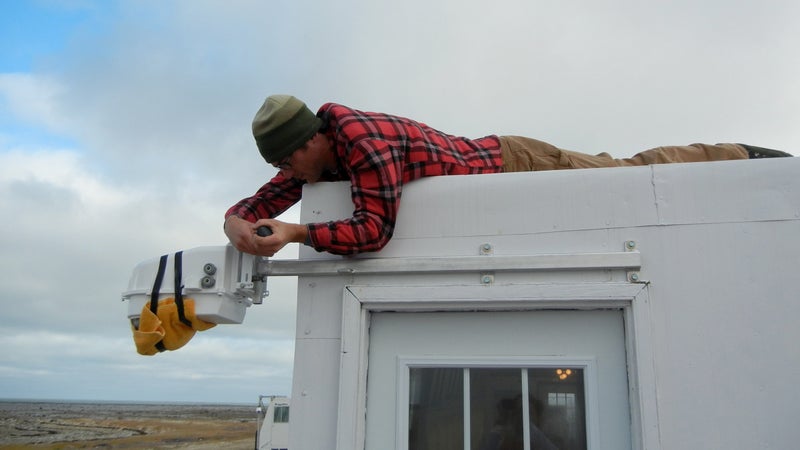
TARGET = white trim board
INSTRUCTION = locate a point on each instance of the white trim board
(360, 301)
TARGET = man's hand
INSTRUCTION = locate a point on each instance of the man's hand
(282, 234)
(241, 234)
(244, 237)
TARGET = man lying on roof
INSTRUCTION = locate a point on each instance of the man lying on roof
(378, 153)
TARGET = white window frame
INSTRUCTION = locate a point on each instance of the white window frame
(591, 389)
(359, 302)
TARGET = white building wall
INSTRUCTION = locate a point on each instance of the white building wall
(720, 247)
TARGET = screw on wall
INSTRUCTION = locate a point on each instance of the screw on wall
(633, 276)
(486, 250)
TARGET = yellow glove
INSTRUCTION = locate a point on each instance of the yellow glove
(164, 330)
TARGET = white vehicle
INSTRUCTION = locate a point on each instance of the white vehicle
(626, 308)
(273, 423)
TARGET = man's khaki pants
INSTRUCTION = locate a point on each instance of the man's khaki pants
(521, 154)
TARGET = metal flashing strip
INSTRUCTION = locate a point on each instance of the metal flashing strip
(628, 260)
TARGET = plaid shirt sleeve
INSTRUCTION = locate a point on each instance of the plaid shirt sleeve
(376, 175)
(273, 198)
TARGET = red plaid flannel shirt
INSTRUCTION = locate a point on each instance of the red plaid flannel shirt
(378, 153)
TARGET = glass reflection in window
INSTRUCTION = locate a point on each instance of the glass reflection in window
(506, 408)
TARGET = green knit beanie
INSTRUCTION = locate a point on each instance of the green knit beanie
(282, 125)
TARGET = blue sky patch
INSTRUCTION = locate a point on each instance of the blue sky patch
(32, 30)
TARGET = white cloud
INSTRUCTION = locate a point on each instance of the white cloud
(30, 97)
(208, 368)
(62, 169)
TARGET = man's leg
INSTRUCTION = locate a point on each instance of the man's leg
(686, 153)
(526, 154)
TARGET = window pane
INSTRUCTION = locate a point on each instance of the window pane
(496, 409)
(557, 408)
(436, 409)
(281, 414)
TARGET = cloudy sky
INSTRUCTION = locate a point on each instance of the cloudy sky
(125, 134)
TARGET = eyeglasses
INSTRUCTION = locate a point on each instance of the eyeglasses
(284, 164)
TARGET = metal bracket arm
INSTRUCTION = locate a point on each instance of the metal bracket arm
(629, 260)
